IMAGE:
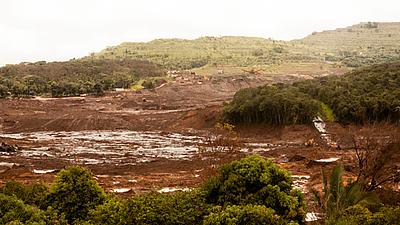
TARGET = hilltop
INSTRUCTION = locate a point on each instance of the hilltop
(187, 54)
(357, 45)
(354, 46)
(136, 65)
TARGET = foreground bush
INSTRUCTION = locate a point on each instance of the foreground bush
(14, 211)
(248, 191)
(245, 215)
(153, 208)
(75, 193)
(337, 196)
(358, 214)
(253, 180)
(33, 194)
(177, 208)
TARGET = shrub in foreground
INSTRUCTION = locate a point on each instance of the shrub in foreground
(358, 214)
(15, 211)
(33, 194)
(244, 215)
(75, 193)
(256, 181)
(184, 208)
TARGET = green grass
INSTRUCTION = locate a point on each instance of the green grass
(327, 113)
(138, 85)
(353, 46)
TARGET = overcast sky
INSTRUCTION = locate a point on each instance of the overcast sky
(32, 30)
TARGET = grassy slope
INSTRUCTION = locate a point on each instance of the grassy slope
(359, 44)
(237, 51)
(356, 38)
(352, 46)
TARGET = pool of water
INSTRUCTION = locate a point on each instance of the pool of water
(96, 147)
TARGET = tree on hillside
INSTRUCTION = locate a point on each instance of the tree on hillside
(275, 105)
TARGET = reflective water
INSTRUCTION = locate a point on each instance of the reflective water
(96, 147)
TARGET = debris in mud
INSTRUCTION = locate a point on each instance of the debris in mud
(296, 158)
(168, 189)
(322, 161)
(106, 147)
(121, 190)
(320, 126)
(5, 166)
(300, 182)
(328, 160)
(43, 171)
(7, 148)
(312, 216)
(310, 143)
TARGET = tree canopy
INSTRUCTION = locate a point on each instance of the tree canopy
(371, 94)
(74, 77)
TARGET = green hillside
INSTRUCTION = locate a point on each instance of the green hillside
(187, 54)
(358, 45)
(367, 95)
(319, 54)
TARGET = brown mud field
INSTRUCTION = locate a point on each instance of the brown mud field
(158, 140)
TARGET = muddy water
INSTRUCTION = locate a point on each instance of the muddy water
(47, 152)
(320, 125)
(103, 147)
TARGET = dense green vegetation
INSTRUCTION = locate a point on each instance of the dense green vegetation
(337, 197)
(367, 95)
(248, 191)
(254, 187)
(351, 203)
(358, 214)
(275, 105)
(15, 211)
(254, 181)
(73, 77)
(248, 214)
(75, 193)
(354, 46)
(371, 94)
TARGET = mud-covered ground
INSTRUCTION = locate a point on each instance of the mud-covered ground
(158, 140)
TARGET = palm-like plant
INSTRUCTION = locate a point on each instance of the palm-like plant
(336, 196)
